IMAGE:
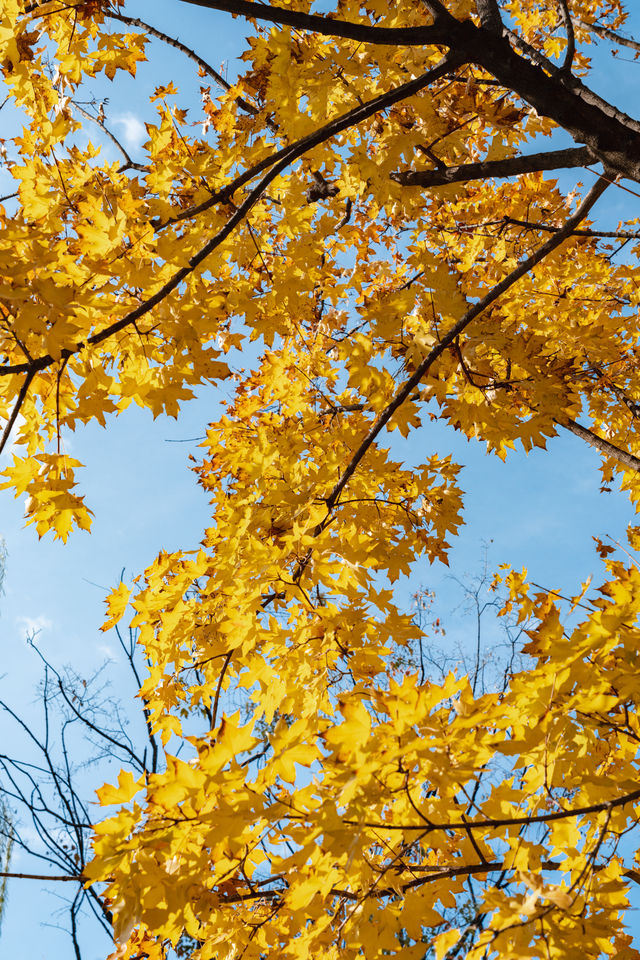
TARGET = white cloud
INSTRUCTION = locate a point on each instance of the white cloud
(34, 625)
(134, 132)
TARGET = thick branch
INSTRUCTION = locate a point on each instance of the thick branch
(548, 228)
(485, 169)
(390, 36)
(604, 446)
(590, 119)
(489, 13)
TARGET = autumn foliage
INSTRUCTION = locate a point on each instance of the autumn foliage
(371, 211)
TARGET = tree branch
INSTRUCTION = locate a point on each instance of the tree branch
(548, 228)
(571, 37)
(278, 162)
(191, 54)
(609, 34)
(491, 824)
(409, 386)
(128, 162)
(42, 876)
(608, 449)
(24, 389)
(489, 13)
(364, 33)
(555, 94)
(485, 169)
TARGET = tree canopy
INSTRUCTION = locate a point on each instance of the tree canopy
(370, 213)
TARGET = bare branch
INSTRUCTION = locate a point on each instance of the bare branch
(146, 713)
(63, 878)
(102, 733)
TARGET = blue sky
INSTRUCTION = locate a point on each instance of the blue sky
(539, 510)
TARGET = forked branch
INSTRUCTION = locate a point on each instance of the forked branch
(494, 294)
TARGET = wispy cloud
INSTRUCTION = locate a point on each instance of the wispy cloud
(34, 625)
(134, 132)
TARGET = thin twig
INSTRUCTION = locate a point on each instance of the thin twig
(214, 711)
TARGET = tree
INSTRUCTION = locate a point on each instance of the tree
(369, 205)
(48, 772)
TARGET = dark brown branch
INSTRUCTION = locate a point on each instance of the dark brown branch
(561, 97)
(489, 13)
(214, 711)
(6, 433)
(486, 169)
(448, 872)
(571, 37)
(432, 874)
(278, 161)
(409, 386)
(604, 446)
(364, 33)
